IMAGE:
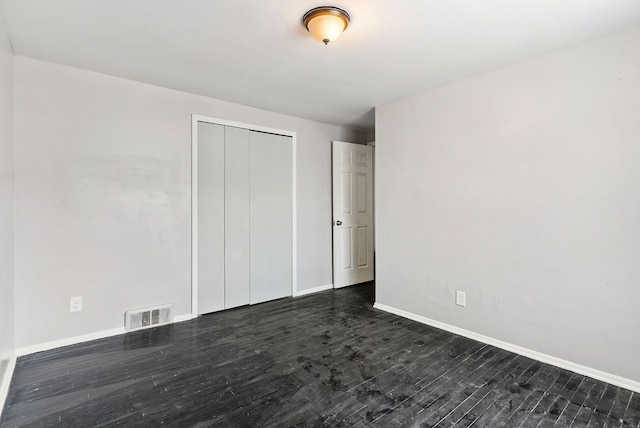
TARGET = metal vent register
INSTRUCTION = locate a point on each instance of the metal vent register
(147, 317)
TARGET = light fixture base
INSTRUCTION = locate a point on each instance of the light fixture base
(326, 23)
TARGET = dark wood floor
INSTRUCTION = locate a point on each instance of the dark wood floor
(328, 359)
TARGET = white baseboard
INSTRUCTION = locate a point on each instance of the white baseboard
(313, 290)
(26, 350)
(181, 318)
(539, 356)
(6, 380)
(32, 349)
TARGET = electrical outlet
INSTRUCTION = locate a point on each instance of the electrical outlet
(461, 298)
(75, 304)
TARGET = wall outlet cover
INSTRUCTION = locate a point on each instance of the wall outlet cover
(461, 298)
(75, 304)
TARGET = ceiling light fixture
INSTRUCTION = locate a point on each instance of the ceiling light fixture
(326, 23)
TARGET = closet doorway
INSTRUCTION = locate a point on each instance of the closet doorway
(243, 214)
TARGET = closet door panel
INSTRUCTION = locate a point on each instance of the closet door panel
(270, 216)
(210, 217)
(236, 217)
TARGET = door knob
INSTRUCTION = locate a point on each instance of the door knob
(338, 223)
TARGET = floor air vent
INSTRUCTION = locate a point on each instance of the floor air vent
(147, 317)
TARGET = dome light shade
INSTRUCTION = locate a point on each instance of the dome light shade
(326, 23)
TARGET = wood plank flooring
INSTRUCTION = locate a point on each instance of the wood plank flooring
(327, 359)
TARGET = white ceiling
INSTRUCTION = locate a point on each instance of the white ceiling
(257, 53)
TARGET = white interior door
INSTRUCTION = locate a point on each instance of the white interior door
(352, 214)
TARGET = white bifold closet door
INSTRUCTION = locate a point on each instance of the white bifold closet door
(211, 224)
(244, 217)
(237, 199)
(270, 171)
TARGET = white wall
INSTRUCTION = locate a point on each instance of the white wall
(6, 202)
(103, 196)
(521, 187)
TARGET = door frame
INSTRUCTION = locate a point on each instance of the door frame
(195, 119)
